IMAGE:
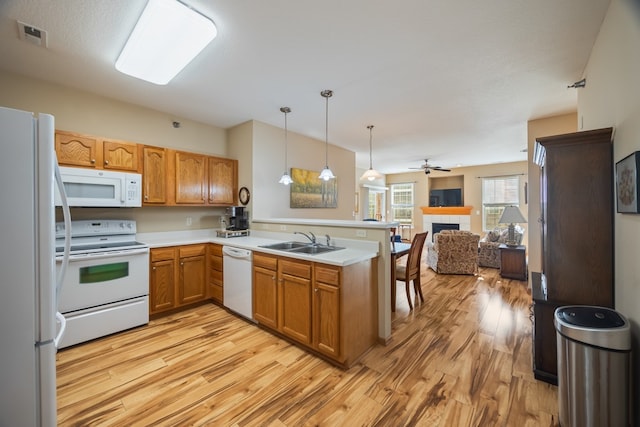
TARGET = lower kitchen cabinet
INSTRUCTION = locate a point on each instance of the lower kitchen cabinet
(215, 278)
(265, 292)
(162, 280)
(294, 278)
(191, 283)
(177, 277)
(328, 309)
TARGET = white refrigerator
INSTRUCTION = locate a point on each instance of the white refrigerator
(28, 325)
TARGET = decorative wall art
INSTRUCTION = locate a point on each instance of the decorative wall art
(628, 184)
(309, 191)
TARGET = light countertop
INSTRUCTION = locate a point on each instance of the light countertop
(355, 250)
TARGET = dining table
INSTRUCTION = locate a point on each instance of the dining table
(398, 250)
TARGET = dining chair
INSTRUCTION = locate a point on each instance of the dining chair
(410, 272)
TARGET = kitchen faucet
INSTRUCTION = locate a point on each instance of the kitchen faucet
(312, 238)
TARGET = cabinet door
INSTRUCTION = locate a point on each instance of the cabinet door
(191, 172)
(222, 181)
(162, 286)
(265, 297)
(326, 319)
(154, 175)
(120, 155)
(76, 150)
(295, 297)
(191, 285)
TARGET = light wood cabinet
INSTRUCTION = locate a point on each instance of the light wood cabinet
(154, 177)
(223, 181)
(265, 289)
(78, 150)
(74, 149)
(328, 309)
(162, 280)
(177, 277)
(191, 284)
(119, 155)
(215, 280)
(190, 178)
(294, 281)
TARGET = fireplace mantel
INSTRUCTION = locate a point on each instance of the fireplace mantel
(442, 210)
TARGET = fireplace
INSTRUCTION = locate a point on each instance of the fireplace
(446, 218)
(439, 226)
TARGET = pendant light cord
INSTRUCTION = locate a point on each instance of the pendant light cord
(327, 94)
(370, 146)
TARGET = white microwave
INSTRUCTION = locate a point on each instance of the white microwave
(100, 188)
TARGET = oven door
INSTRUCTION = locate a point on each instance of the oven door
(100, 278)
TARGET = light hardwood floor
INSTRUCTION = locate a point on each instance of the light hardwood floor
(461, 358)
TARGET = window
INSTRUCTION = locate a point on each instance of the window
(402, 203)
(497, 193)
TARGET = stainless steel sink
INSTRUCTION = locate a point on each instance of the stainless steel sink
(301, 247)
(285, 246)
(315, 249)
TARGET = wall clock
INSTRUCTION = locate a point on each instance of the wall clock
(244, 195)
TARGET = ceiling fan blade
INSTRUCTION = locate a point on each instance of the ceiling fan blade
(438, 168)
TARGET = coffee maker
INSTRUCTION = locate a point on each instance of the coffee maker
(237, 218)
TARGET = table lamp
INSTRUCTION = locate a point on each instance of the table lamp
(511, 215)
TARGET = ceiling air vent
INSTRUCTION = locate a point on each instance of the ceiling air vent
(32, 34)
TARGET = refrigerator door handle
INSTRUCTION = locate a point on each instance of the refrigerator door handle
(63, 325)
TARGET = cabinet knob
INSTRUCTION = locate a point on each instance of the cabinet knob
(106, 162)
(273, 278)
(153, 268)
(315, 290)
(182, 263)
(146, 197)
(93, 161)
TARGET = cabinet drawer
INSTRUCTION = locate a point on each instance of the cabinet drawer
(215, 277)
(193, 250)
(327, 274)
(215, 262)
(215, 250)
(265, 261)
(296, 268)
(162, 254)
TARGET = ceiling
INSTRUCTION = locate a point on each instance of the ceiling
(454, 81)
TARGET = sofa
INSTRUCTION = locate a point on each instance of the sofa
(489, 245)
(453, 252)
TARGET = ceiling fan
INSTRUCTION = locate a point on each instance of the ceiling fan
(427, 168)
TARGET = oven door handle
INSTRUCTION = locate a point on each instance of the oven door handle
(103, 255)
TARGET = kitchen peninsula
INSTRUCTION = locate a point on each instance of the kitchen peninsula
(327, 302)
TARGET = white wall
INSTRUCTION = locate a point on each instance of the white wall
(612, 98)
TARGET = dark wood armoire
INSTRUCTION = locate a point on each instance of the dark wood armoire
(576, 204)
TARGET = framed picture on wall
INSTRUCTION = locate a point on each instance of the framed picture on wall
(309, 191)
(627, 184)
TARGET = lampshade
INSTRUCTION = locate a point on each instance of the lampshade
(511, 215)
(371, 174)
(166, 38)
(326, 173)
(285, 178)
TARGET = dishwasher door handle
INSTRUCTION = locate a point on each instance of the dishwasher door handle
(235, 252)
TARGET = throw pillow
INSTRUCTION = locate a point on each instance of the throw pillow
(493, 236)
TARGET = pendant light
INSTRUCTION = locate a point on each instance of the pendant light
(326, 173)
(371, 174)
(285, 179)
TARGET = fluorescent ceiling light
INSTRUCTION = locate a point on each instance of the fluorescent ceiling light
(166, 38)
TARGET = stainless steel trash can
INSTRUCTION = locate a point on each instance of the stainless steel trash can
(594, 357)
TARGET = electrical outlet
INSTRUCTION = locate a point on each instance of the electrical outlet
(361, 233)
(189, 221)
(283, 227)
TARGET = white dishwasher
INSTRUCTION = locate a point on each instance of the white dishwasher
(236, 274)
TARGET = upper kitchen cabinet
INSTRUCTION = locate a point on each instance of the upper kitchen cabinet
(223, 181)
(74, 149)
(191, 178)
(154, 178)
(120, 155)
